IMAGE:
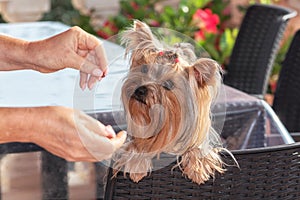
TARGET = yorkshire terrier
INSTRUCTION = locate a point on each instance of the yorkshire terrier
(167, 98)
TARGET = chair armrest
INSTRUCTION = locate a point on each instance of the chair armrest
(296, 136)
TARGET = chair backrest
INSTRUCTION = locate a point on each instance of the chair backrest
(256, 47)
(287, 95)
(264, 173)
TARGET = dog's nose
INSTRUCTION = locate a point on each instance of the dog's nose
(141, 93)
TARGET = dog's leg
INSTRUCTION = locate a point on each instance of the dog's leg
(136, 164)
(198, 167)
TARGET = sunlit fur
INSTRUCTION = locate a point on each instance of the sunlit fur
(175, 120)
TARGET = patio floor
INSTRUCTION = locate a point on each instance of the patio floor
(21, 178)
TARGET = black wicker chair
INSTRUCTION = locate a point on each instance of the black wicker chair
(286, 99)
(264, 173)
(255, 48)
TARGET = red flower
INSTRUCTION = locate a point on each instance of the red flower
(153, 23)
(108, 29)
(206, 20)
(110, 25)
(199, 35)
(103, 34)
(129, 16)
(134, 5)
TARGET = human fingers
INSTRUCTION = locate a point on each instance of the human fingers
(103, 148)
(119, 140)
(91, 68)
(96, 58)
(92, 81)
(85, 64)
(85, 39)
(83, 80)
(92, 125)
(110, 130)
(99, 146)
(89, 74)
(99, 56)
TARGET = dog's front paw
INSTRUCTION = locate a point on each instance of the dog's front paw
(137, 165)
(200, 168)
(136, 177)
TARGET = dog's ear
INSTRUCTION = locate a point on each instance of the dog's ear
(141, 43)
(205, 71)
(138, 25)
(139, 37)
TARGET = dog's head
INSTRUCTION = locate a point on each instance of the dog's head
(167, 96)
(168, 93)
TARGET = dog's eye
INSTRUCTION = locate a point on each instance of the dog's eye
(168, 85)
(144, 69)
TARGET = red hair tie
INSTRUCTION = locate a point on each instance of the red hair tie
(161, 53)
(176, 60)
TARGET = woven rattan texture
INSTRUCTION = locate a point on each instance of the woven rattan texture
(267, 173)
(255, 48)
(286, 101)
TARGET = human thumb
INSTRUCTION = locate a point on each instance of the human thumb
(119, 140)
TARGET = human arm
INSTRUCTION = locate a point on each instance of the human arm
(73, 48)
(65, 132)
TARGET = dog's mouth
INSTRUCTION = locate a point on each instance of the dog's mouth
(140, 94)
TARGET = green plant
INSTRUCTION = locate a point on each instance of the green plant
(143, 10)
(203, 20)
(277, 64)
(263, 1)
(64, 12)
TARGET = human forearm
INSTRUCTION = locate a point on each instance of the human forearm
(73, 48)
(14, 54)
(35, 124)
(16, 124)
(65, 132)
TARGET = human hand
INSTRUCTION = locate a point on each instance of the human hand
(73, 48)
(65, 132)
(75, 136)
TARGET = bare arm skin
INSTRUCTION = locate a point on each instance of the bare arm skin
(73, 48)
(65, 132)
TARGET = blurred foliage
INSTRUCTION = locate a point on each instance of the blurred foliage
(63, 11)
(243, 8)
(281, 55)
(263, 1)
(203, 20)
(278, 63)
(182, 18)
(195, 19)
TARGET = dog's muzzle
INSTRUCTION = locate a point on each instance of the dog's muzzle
(140, 94)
